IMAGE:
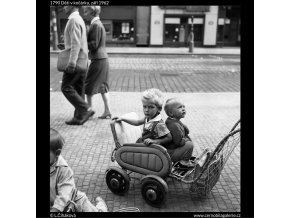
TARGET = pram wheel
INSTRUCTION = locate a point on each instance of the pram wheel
(117, 180)
(153, 191)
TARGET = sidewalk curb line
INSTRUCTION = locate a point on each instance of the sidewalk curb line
(136, 53)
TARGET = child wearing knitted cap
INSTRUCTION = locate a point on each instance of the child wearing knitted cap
(154, 128)
(181, 146)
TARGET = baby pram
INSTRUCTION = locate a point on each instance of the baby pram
(155, 164)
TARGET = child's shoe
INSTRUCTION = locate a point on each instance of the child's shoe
(188, 163)
(101, 205)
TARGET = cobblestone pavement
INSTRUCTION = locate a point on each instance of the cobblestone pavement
(169, 73)
(88, 148)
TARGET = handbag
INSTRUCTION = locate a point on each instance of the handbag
(63, 58)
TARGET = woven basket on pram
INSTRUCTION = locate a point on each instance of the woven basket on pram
(214, 165)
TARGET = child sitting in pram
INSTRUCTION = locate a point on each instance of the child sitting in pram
(181, 146)
(154, 128)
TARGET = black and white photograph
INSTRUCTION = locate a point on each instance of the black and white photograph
(145, 108)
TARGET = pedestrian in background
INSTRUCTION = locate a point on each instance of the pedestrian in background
(73, 80)
(98, 73)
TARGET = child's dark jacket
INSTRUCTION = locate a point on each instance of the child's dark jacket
(179, 133)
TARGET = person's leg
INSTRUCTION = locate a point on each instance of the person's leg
(80, 85)
(71, 88)
(106, 100)
(91, 81)
(87, 206)
(101, 205)
(84, 205)
(80, 88)
(89, 100)
(104, 88)
(187, 151)
(181, 153)
(68, 88)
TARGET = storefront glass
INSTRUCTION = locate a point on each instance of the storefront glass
(229, 24)
(123, 30)
(177, 30)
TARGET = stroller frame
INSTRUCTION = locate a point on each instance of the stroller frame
(154, 163)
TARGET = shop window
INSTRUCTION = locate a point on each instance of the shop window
(172, 28)
(198, 24)
(178, 29)
(223, 30)
(198, 32)
(123, 31)
(172, 32)
(226, 32)
(220, 33)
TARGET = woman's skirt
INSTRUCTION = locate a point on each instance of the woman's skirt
(97, 77)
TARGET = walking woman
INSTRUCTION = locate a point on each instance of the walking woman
(98, 73)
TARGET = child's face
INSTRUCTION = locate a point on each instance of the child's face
(53, 157)
(149, 109)
(178, 110)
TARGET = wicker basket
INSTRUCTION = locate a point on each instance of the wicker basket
(209, 177)
(213, 167)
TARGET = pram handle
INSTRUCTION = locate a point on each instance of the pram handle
(236, 124)
(112, 124)
(218, 148)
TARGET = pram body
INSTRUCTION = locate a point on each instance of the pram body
(154, 163)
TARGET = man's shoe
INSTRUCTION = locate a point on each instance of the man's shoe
(73, 121)
(86, 116)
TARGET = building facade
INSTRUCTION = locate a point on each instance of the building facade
(212, 25)
(125, 25)
(165, 26)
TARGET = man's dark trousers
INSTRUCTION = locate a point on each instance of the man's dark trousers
(73, 88)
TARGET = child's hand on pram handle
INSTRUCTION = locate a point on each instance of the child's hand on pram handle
(148, 141)
(117, 119)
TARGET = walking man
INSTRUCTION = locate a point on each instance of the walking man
(73, 81)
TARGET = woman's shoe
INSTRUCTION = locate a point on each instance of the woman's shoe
(107, 116)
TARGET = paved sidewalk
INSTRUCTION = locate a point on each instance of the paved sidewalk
(88, 149)
(181, 51)
(169, 73)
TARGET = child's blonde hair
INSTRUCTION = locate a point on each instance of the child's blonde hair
(168, 105)
(154, 95)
